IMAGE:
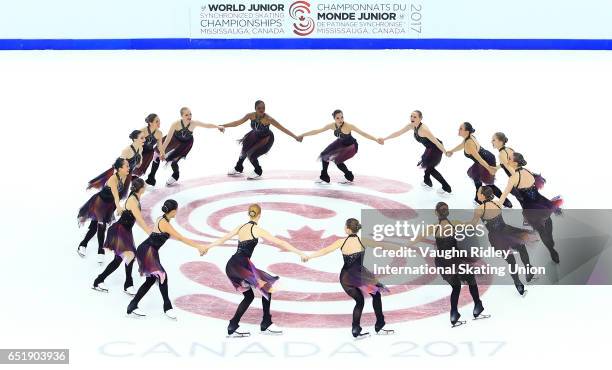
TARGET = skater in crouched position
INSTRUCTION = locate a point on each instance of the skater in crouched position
(340, 150)
(120, 239)
(100, 207)
(245, 277)
(445, 239)
(149, 263)
(356, 280)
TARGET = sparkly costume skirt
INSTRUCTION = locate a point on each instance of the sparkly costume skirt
(357, 276)
(254, 145)
(244, 275)
(148, 261)
(177, 149)
(120, 240)
(97, 209)
(478, 173)
(431, 157)
(338, 152)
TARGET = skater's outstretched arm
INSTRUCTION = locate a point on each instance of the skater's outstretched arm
(240, 121)
(400, 132)
(455, 149)
(132, 205)
(321, 252)
(166, 227)
(168, 137)
(511, 181)
(425, 132)
(208, 125)
(275, 123)
(223, 239)
(360, 132)
(318, 131)
(272, 239)
(471, 149)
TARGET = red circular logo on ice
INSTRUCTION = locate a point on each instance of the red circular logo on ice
(310, 216)
(300, 11)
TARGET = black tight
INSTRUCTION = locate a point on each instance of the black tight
(155, 166)
(100, 229)
(341, 166)
(115, 263)
(254, 161)
(144, 288)
(512, 262)
(266, 320)
(436, 175)
(456, 286)
(545, 230)
(356, 294)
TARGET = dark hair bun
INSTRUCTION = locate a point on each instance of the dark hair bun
(118, 163)
(336, 112)
(501, 137)
(442, 210)
(487, 191)
(150, 118)
(137, 184)
(519, 159)
(169, 206)
(134, 134)
(468, 127)
(353, 225)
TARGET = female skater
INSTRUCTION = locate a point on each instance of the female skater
(133, 155)
(501, 235)
(445, 241)
(100, 207)
(536, 207)
(177, 144)
(342, 149)
(433, 150)
(245, 276)
(149, 264)
(356, 280)
(258, 141)
(483, 169)
(120, 240)
(153, 136)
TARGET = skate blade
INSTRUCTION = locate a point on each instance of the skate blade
(362, 336)
(321, 182)
(239, 174)
(80, 255)
(533, 279)
(458, 323)
(135, 316)
(130, 294)
(98, 289)
(386, 332)
(346, 182)
(254, 178)
(271, 333)
(426, 188)
(238, 335)
(481, 317)
(524, 293)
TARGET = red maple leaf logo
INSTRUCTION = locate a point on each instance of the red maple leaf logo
(307, 239)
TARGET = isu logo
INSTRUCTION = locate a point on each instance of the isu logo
(310, 217)
(300, 11)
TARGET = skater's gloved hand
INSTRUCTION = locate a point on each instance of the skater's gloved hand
(449, 153)
(221, 128)
(305, 258)
(381, 141)
(203, 249)
(119, 211)
(299, 138)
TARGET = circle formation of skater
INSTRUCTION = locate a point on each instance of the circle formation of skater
(149, 147)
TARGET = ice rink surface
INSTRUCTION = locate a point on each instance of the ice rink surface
(67, 115)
